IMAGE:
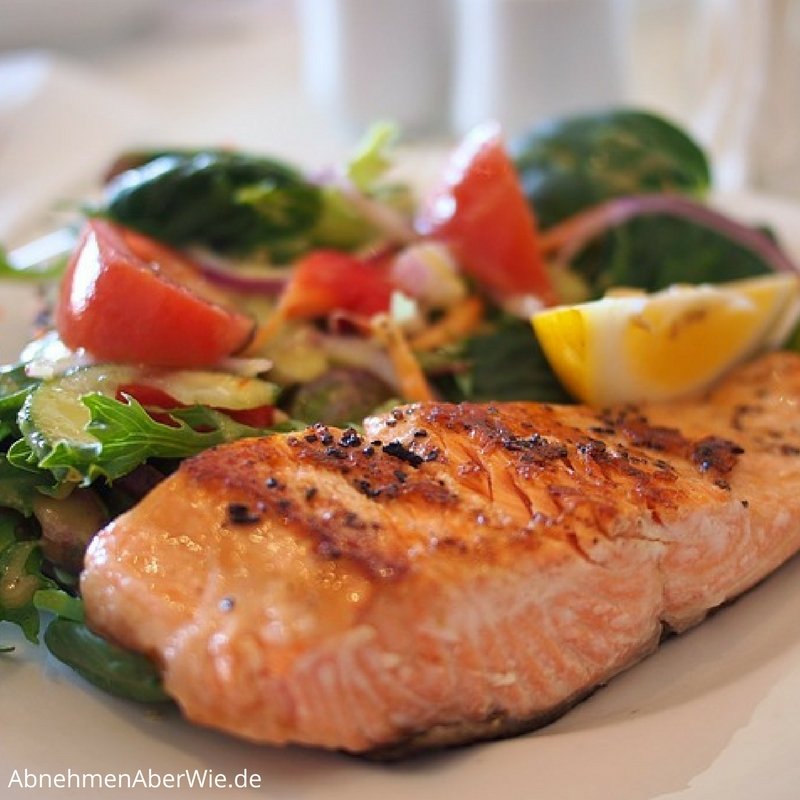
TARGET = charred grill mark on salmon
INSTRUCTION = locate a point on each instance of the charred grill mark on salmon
(453, 573)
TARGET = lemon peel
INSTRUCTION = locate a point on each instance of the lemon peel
(631, 346)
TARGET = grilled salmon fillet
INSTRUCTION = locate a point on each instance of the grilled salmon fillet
(456, 573)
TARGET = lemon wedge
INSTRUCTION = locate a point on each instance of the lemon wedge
(632, 346)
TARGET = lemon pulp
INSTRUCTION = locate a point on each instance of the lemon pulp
(631, 346)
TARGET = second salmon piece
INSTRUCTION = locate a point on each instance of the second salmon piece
(456, 573)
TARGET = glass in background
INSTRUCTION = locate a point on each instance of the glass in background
(366, 60)
(438, 67)
(729, 70)
(751, 111)
(661, 54)
(525, 61)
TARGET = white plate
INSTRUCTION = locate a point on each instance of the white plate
(714, 714)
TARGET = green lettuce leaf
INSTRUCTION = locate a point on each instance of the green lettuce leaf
(49, 270)
(342, 224)
(59, 603)
(15, 386)
(19, 485)
(372, 158)
(127, 435)
(21, 574)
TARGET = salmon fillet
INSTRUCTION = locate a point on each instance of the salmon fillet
(458, 572)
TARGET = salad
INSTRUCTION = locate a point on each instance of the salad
(210, 295)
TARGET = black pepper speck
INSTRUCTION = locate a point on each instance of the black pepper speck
(366, 488)
(398, 450)
(241, 514)
(325, 436)
(350, 438)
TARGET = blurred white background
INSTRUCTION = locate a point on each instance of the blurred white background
(302, 78)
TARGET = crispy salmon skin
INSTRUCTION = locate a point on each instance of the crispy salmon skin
(456, 572)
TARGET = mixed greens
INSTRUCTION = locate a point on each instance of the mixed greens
(229, 202)
(346, 296)
(240, 204)
(569, 165)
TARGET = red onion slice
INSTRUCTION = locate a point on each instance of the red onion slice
(246, 280)
(567, 239)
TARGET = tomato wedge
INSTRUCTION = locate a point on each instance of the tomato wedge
(129, 299)
(329, 280)
(480, 211)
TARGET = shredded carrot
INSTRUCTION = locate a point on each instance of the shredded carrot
(555, 241)
(411, 379)
(552, 240)
(264, 334)
(460, 320)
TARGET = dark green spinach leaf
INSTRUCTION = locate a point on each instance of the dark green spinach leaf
(504, 364)
(654, 252)
(230, 202)
(112, 669)
(570, 164)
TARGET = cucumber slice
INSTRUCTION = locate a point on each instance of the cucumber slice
(53, 415)
(216, 389)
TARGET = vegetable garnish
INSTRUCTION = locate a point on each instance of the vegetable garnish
(328, 280)
(216, 295)
(85, 425)
(722, 247)
(40, 260)
(571, 164)
(127, 298)
(458, 322)
(480, 212)
(358, 205)
(230, 202)
(410, 377)
(21, 574)
(631, 346)
(107, 666)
